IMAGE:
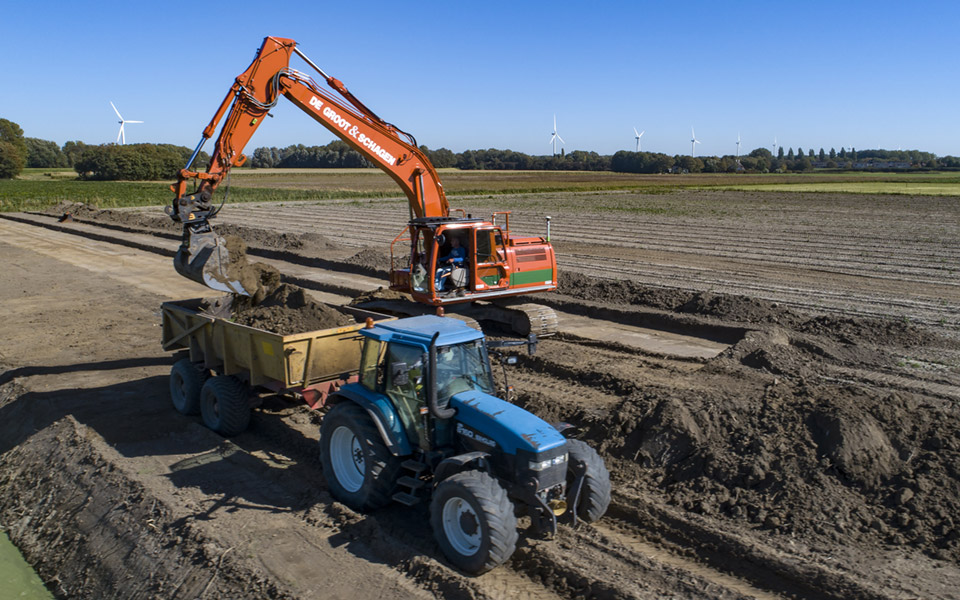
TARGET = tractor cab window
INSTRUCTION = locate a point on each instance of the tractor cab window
(405, 385)
(369, 361)
(461, 368)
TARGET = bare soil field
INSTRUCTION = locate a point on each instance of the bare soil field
(815, 457)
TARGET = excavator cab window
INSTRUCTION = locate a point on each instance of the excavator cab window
(453, 250)
(491, 270)
(421, 265)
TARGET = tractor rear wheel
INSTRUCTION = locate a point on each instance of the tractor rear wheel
(595, 492)
(358, 467)
(186, 381)
(224, 406)
(473, 521)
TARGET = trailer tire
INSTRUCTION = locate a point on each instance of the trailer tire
(359, 469)
(473, 521)
(224, 406)
(186, 381)
(595, 494)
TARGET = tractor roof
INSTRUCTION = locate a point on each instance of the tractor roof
(420, 330)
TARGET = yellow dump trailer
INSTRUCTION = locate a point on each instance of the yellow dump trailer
(263, 358)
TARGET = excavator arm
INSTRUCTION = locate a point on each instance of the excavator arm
(203, 255)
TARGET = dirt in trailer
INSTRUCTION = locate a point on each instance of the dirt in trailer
(815, 457)
(287, 310)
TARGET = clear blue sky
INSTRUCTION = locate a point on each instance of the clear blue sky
(469, 75)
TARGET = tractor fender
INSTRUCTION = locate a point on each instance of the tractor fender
(461, 462)
(383, 414)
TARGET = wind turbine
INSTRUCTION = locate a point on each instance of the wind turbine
(555, 136)
(693, 142)
(639, 135)
(121, 138)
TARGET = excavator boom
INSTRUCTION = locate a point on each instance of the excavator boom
(203, 256)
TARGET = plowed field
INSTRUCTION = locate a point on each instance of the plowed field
(815, 456)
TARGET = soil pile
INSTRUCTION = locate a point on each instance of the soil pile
(370, 260)
(380, 293)
(63, 496)
(79, 211)
(257, 278)
(808, 426)
(287, 310)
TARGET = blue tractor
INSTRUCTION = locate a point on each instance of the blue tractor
(423, 424)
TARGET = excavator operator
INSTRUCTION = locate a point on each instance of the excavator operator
(445, 264)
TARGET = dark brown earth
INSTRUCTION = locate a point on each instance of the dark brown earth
(257, 278)
(815, 457)
(287, 310)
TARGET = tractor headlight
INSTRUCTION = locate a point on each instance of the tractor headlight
(546, 464)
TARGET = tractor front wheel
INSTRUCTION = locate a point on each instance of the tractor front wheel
(473, 521)
(595, 492)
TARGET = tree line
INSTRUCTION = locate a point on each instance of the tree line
(163, 161)
(338, 154)
(137, 162)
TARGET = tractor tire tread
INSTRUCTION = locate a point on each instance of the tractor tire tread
(186, 383)
(595, 495)
(232, 409)
(378, 488)
(498, 511)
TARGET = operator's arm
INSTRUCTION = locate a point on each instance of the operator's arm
(457, 255)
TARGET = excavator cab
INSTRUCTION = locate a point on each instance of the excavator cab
(456, 260)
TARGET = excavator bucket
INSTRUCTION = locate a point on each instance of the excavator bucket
(208, 258)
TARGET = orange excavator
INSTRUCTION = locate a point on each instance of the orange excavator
(438, 259)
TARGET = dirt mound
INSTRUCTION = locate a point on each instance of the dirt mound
(90, 531)
(305, 244)
(381, 293)
(287, 310)
(257, 278)
(371, 259)
(608, 291)
(855, 443)
(847, 331)
(80, 211)
(722, 306)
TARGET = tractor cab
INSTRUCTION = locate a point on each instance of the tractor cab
(396, 362)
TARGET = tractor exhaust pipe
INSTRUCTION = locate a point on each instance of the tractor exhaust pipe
(435, 410)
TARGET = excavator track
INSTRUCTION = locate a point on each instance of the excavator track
(528, 317)
(521, 318)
